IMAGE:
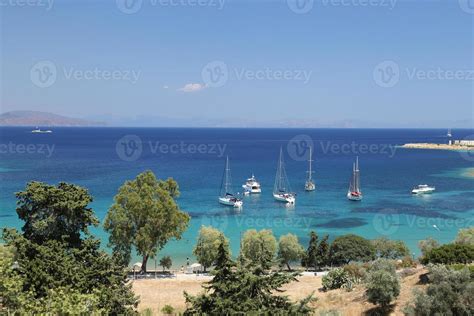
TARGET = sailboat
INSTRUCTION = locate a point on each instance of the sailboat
(226, 196)
(281, 189)
(354, 193)
(449, 133)
(309, 185)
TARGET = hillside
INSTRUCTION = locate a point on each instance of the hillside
(36, 118)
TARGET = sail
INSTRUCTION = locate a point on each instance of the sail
(226, 185)
(310, 171)
(281, 180)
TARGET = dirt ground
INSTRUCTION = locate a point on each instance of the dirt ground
(154, 294)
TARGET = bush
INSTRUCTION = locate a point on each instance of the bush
(382, 288)
(382, 264)
(167, 310)
(449, 254)
(406, 262)
(450, 292)
(458, 267)
(335, 279)
(357, 272)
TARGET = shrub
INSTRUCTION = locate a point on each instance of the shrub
(406, 262)
(382, 288)
(335, 279)
(450, 292)
(390, 249)
(458, 267)
(450, 253)
(383, 264)
(356, 272)
(167, 310)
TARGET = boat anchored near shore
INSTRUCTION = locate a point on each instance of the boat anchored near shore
(309, 184)
(423, 189)
(354, 193)
(226, 196)
(252, 186)
(39, 131)
(281, 189)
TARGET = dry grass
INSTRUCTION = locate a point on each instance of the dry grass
(154, 294)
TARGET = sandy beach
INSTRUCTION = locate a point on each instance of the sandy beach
(154, 294)
(438, 146)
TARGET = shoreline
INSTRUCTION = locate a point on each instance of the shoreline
(437, 146)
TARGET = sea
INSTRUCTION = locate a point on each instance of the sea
(102, 159)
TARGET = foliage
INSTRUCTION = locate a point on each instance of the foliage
(450, 253)
(347, 248)
(258, 248)
(289, 249)
(356, 272)
(465, 236)
(144, 215)
(390, 249)
(458, 267)
(449, 293)
(207, 245)
(311, 257)
(427, 245)
(166, 262)
(323, 252)
(55, 212)
(383, 285)
(335, 279)
(238, 289)
(406, 262)
(167, 310)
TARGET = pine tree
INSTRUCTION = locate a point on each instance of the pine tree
(323, 252)
(311, 258)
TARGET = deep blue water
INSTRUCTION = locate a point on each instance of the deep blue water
(195, 158)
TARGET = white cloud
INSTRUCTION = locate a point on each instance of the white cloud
(192, 87)
(165, 87)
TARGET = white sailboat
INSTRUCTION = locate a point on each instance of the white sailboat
(281, 189)
(226, 196)
(354, 193)
(309, 184)
(449, 134)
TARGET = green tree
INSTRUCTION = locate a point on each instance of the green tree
(55, 212)
(347, 248)
(390, 249)
(323, 251)
(465, 236)
(207, 245)
(258, 248)
(289, 249)
(335, 279)
(449, 254)
(166, 262)
(310, 259)
(145, 215)
(427, 245)
(242, 290)
(382, 288)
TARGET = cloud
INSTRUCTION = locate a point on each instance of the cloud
(165, 87)
(192, 87)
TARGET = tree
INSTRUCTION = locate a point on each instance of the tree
(207, 245)
(465, 236)
(335, 279)
(390, 249)
(323, 251)
(236, 289)
(145, 215)
(312, 253)
(258, 248)
(449, 293)
(166, 262)
(449, 254)
(55, 212)
(427, 245)
(289, 249)
(347, 248)
(382, 288)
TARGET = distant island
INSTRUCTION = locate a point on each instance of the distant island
(36, 118)
(456, 145)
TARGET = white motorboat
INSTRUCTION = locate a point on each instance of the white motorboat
(252, 186)
(39, 131)
(354, 193)
(309, 184)
(423, 189)
(226, 196)
(281, 189)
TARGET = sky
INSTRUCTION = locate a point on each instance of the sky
(393, 63)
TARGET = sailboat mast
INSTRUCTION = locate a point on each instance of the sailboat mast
(310, 163)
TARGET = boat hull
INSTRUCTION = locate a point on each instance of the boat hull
(420, 192)
(287, 198)
(230, 202)
(309, 186)
(352, 197)
(251, 190)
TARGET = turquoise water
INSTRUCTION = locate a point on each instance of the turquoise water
(195, 158)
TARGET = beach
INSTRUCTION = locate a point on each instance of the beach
(156, 293)
(438, 146)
